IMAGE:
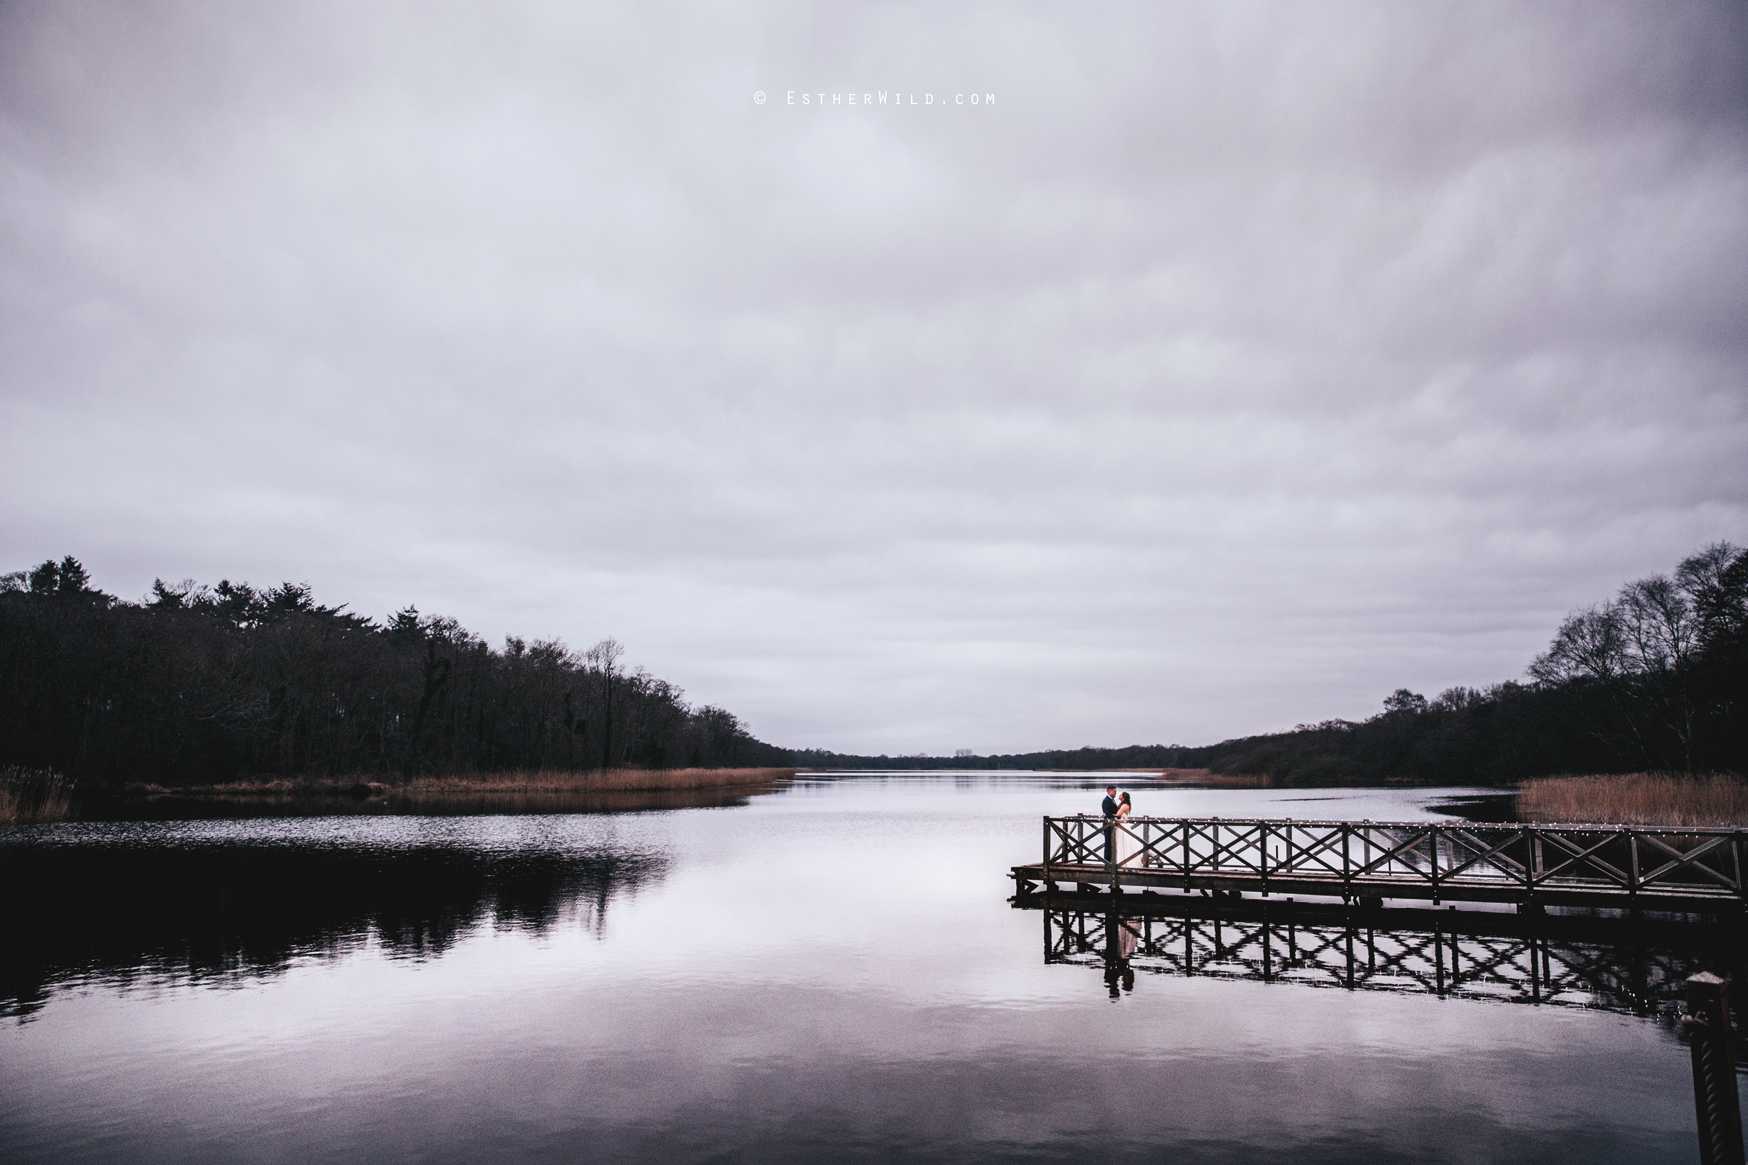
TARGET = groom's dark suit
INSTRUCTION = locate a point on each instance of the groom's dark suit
(1110, 809)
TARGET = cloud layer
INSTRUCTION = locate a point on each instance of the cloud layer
(1238, 365)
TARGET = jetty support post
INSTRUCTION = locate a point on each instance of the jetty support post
(1049, 882)
(1715, 1103)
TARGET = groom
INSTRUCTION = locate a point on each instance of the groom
(1110, 811)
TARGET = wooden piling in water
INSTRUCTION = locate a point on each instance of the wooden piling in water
(1717, 1109)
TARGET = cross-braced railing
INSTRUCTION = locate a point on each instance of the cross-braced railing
(1415, 859)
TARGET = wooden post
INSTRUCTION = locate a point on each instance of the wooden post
(1535, 964)
(1046, 849)
(1185, 826)
(1268, 963)
(1736, 863)
(1716, 1106)
(1346, 866)
(1110, 835)
(1432, 839)
(1529, 867)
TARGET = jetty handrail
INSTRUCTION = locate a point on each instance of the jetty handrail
(1426, 855)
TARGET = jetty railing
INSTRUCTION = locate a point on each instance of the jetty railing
(1398, 859)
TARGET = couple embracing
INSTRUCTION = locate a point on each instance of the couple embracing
(1121, 844)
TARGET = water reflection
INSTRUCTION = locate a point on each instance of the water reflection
(832, 973)
(1632, 966)
(122, 912)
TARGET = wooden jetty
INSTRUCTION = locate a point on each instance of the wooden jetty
(1366, 862)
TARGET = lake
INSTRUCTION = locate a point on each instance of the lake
(832, 971)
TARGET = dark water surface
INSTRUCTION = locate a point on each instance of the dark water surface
(832, 972)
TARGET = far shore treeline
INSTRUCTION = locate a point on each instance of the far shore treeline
(196, 685)
(1654, 680)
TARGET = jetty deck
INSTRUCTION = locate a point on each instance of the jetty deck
(1365, 862)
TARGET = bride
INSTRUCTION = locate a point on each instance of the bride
(1128, 841)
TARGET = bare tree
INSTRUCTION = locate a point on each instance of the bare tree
(1589, 645)
(1716, 580)
(603, 658)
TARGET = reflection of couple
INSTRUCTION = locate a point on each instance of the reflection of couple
(1122, 936)
(1121, 844)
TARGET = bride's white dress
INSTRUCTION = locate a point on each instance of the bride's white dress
(1128, 938)
(1128, 843)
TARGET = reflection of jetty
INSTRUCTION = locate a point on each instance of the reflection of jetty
(1635, 966)
(1368, 861)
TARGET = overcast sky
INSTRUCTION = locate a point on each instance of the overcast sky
(1236, 365)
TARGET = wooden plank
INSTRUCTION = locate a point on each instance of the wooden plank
(1310, 913)
(1400, 888)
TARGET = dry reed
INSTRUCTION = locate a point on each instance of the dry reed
(475, 784)
(1208, 779)
(469, 801)
(597, 781)
(278, 787)
(1636, 799)
(30, 796)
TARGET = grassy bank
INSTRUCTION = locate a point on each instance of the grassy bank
(33, 795)
(602, 790)
(598, 781)
(598, 791)
(592, 781)
(1204, 778)
(1636, 799)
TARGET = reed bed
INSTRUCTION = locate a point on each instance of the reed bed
(478, 784)
(600, 791)
(597, 781)
(1206, 778)
(1716, 799)
(30, 796)
(277, 788)
(465, 802)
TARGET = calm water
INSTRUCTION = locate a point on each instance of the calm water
(830, 972)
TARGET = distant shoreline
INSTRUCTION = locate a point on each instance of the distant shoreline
(585, 781)
(511, 793)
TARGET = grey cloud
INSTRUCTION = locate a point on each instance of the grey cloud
(1239, 365)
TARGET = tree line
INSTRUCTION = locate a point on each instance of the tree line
(1655, 679)
(198, 684)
